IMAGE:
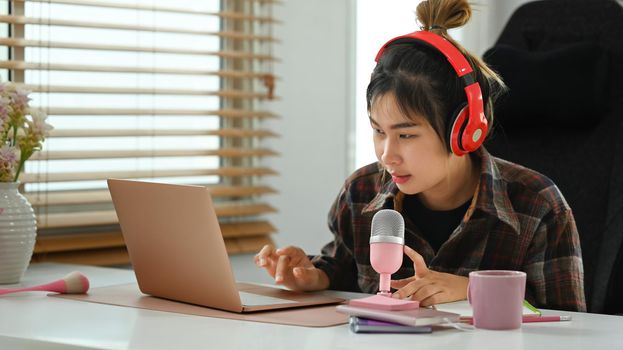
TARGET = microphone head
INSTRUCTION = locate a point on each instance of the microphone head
(388, 226)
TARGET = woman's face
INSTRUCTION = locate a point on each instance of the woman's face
(408, 148)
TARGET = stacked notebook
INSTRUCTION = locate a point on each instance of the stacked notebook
(366, 325)
(420, 320)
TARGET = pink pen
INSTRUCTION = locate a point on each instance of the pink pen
(530, 318)
(527, 319)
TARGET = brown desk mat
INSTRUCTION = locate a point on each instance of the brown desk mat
(129, 295)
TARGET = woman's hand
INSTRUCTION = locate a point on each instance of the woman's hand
(291, 267)
(427, 286)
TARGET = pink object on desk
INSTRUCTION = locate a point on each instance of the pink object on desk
(529, 319)
(382, 302)
(387, 239)
(386, 251)
(73, 283)
(385, 259)
(497, 298)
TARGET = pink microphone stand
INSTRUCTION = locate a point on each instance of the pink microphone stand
(386, 259)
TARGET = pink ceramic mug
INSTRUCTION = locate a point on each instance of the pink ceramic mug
(497, 298)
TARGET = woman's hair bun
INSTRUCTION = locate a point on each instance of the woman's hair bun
(441, 15)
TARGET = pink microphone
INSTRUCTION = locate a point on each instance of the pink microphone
(387, 239)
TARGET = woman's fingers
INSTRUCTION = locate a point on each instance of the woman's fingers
(433, 289)
(267, 259)
(296, 254)
(289, 250)
(261, 258)
(283, 267)
(397, 284)
(419, 265)
(433, 299)
(419, 289)
(406, 290)
(425, 292)
(291, 267)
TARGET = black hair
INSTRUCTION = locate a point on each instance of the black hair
(422, 80)
(424, 84)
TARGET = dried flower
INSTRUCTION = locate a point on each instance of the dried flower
(22, 130)
(8, 161)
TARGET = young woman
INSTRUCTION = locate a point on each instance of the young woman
(464, 209)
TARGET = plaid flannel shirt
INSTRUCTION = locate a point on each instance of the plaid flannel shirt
(517, 220)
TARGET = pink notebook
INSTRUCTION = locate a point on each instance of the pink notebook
(415, 317)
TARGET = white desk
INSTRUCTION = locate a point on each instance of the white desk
(35, 321)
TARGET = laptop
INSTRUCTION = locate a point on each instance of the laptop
(177, 250)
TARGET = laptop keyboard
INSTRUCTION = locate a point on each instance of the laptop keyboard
(250, 299)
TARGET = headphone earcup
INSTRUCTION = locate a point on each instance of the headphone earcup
(457, 124)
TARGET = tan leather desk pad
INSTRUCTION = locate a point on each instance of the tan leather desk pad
(129, 295)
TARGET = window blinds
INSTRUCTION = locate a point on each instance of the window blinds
(152, 90)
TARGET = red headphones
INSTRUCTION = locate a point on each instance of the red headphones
(469, 125)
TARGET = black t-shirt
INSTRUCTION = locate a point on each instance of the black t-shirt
(436, 226)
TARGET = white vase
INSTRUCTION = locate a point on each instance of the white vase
(18, 230)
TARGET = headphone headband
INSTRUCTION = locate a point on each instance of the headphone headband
(476, 125)
(452, 54)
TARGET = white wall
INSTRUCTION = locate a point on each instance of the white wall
(488, 19)
(315, 109)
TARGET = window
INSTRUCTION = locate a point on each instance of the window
(376, 23)
(152, 90)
